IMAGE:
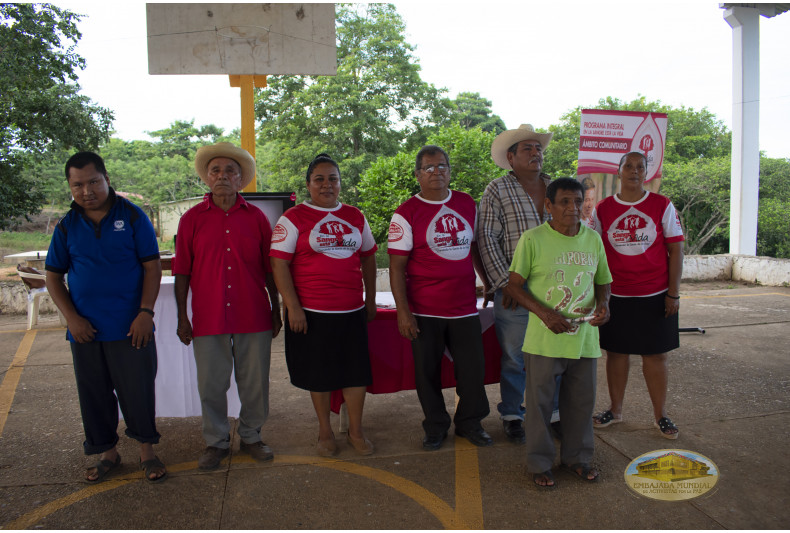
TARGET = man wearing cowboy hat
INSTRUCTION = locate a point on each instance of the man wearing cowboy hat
(510, 206)
(222, 253)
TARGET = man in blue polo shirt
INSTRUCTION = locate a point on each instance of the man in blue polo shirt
(108, 248)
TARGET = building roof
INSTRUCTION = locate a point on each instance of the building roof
(766, 10)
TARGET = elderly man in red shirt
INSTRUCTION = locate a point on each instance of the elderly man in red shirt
(222, 252)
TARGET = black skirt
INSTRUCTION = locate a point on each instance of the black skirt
(637, 326)
(332, 355)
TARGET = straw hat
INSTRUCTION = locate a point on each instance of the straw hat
(205, 154)
(508, 138)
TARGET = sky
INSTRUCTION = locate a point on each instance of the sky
(534, 61)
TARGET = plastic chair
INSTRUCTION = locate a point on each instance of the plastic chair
(36, 287)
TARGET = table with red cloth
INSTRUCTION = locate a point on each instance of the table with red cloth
(392, 364)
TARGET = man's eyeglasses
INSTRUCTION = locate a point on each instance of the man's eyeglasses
(441, 169)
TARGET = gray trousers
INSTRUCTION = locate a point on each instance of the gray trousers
(576, 403)
(249, 354)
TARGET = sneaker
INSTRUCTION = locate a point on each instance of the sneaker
(211, 457)
(258, 451)
(514, 431)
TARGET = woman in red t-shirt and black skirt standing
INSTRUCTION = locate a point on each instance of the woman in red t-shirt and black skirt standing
(643, 239)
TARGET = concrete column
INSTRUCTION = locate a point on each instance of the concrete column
(745, 178)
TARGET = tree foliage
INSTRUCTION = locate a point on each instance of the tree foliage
(163, 170)
(41, 109)
(773, 221)
(375, 103)
(471, 109)
(700, 190)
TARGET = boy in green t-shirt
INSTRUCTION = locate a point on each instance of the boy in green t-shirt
(564, 265)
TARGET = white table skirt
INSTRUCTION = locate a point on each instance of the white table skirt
(176, 377)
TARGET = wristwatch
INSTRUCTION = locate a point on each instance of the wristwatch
(145, 310)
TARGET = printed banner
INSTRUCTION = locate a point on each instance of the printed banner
(606, 135)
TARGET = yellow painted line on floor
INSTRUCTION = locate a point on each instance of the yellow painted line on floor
(11, 378)
(428, 500)
(468, 496)
(33, 517)
(467, 515)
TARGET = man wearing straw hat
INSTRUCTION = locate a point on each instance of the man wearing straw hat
(510, 206)
(222, 254)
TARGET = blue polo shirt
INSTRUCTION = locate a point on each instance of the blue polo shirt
(104, 264)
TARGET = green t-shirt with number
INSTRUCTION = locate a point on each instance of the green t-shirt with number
(561, 272)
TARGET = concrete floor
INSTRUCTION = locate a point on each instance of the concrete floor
(729, 393)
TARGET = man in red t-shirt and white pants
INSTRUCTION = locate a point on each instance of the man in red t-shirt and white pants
(431, 246)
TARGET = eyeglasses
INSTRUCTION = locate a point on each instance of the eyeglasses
(441, 169)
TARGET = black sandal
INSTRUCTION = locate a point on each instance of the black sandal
(151, 466)
(666, 427)
(605, 418)
(103, 467)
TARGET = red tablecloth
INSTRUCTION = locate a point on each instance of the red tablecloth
(392, 363)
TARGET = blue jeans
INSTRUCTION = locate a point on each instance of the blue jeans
(511, 328)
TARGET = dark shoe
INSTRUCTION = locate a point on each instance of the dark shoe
(514, 431)
(433, 442)
(478, 437)
(211, 457)
(258, 451)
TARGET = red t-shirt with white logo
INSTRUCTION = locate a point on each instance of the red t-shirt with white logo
(437, 237)
(324, 247)
(634, 236)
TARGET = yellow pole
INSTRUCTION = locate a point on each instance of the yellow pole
(247, 83)
(248, 123)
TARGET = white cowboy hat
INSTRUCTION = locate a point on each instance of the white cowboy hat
(205, 154)
(508, 138)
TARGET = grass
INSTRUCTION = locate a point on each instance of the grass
(14, 242)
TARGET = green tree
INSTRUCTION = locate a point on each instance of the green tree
(375, 102)
(773, 221)
(390, 181)
(773, 228)
(472, 110)
(700, 190)
(40, 105)
(163, 170)
(183, 138)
